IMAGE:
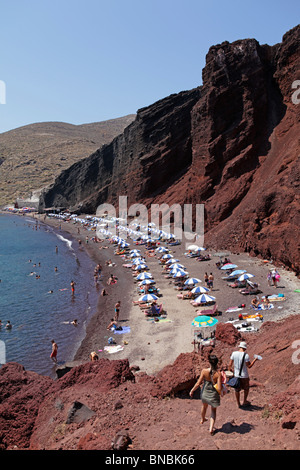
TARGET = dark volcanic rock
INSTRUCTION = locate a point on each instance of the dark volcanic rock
(232, 144)
(152, 153)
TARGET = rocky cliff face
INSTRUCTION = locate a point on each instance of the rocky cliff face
(150, 154)
(232, 144)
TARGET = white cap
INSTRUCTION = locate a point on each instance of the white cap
(243, 345)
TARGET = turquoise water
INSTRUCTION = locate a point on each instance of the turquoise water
(28, 250)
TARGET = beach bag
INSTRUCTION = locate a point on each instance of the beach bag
(235, 381)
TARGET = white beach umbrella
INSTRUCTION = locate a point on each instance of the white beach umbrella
(204, 298)
(146, 281)
(140, 266)
(162, 249)
(199, 290)
(237, 272)
(148, 298)
(167, 256)
(177, 266)
(192, 281)
(180, 273)
(143, 276)
(172, 261)
(245, 276)
(193, 247)
(138, 261)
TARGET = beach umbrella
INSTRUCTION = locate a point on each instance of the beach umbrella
(162, 249)
(172, 261)
(204, 298)
(237, 272)
(245, 276)
(177, 266)
(204, 321)
(193, 247)
(143, 276)
(167, 256)
(140, 266)
(180, 273)
(147, 281)
(192, 281)
(148, 298)
(199, 290)
(229, 266)
(138, 261)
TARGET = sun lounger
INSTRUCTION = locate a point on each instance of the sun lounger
(209, 311)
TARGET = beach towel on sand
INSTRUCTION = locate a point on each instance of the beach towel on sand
(113, 348)
(125, 329)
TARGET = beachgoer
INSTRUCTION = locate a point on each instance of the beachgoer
(269, 278)
(255, 302)
(53, 354)
(210, 283)
(75, 322)
(266, 301)
(94, 356)
(103, 292)
(112, 324)
(206, 279)
(8, 325)
(73, 287)
(236, 361)
(117, 310)
(56, 249)
(112, 279)
(209, 395)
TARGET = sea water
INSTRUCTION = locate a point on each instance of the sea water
(37, 266)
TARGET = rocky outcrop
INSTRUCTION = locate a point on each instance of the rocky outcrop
(99, 405)
(152, 152)
(231, 144)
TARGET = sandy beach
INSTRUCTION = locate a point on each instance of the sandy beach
(150, 344)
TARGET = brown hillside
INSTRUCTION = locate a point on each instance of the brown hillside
(32, 156)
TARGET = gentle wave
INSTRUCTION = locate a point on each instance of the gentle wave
(65, 240)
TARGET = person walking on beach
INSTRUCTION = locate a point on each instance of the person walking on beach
(209, 395)
(236, 359)
(210, 283)
(117, 310)
(53, 354)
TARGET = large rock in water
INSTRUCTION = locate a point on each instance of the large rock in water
(232, 144)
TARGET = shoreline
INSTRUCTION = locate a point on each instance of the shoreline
(153, 345)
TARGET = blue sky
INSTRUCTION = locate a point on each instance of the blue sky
(81, 61)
